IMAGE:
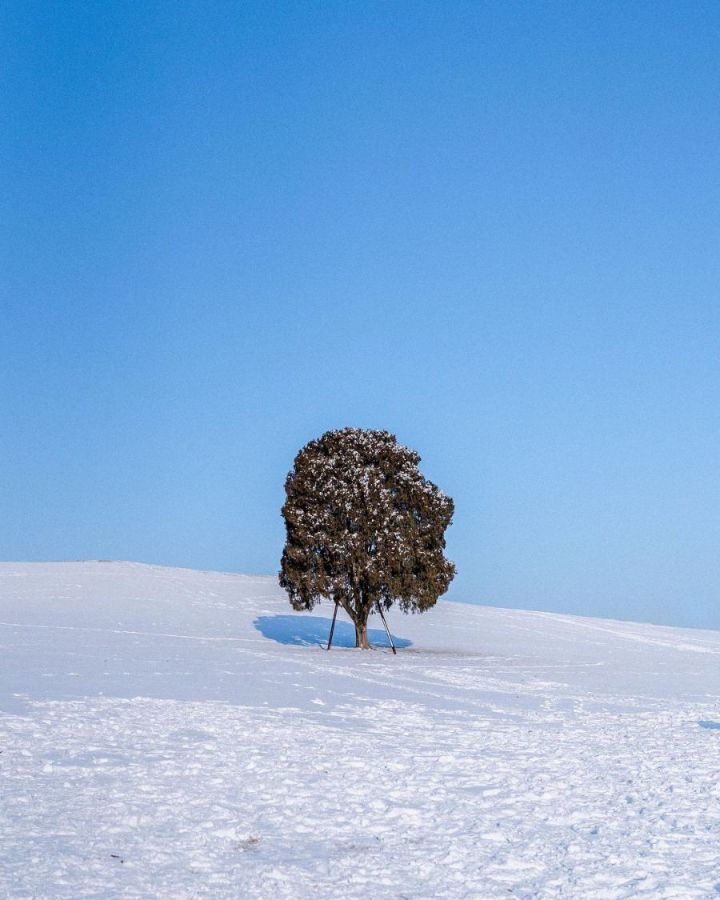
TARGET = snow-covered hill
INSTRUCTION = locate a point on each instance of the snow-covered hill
(166, 732)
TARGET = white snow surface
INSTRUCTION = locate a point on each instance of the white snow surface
(168, 732)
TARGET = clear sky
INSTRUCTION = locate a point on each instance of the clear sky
(491, 228)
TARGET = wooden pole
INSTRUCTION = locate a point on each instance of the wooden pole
(387, 629)
(332, 627)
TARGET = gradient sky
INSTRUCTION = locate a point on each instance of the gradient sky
(491, 228)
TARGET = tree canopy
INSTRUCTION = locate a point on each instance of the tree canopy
(364, 527)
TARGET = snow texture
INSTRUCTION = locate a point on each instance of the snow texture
(166, 732)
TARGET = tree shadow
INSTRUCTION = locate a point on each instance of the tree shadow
(313, 631)
(704, 723)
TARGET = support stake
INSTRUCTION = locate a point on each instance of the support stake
(332, 627)
(387, 629)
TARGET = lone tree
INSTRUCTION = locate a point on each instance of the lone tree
(364, 528)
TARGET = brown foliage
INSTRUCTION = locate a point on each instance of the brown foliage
(364, 528)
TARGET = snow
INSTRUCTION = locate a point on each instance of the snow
(172, 732)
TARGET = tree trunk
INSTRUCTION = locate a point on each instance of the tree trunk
(359, 612)
(361, 638)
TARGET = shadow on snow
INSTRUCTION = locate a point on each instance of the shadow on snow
(312, 631)
(704, 723)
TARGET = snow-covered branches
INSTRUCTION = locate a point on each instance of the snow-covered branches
(364, 527)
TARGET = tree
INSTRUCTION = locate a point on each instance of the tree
(364, 528)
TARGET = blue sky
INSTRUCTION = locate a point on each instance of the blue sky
(492, 229)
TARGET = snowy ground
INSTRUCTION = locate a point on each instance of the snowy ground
(166, 732)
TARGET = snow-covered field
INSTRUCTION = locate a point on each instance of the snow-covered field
(166, 732)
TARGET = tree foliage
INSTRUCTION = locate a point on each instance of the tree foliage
(364, 527)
